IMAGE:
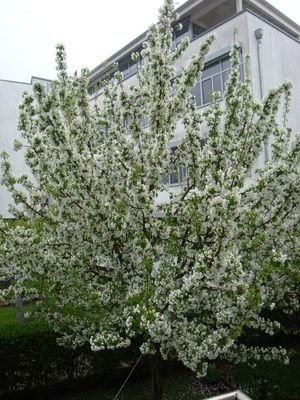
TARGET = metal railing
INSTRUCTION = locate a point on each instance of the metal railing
(237, 395)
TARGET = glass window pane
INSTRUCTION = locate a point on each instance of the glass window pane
(185, 28)
(173, 177)
(183, 173)
(211, 70)
(166, 180)
(217, 84)
(197, 30)
(123, 64)
(241, 73)
(225, 63)
(206, 91)
(225, 78)
(196, 92)
(144, 121)
(203, 142)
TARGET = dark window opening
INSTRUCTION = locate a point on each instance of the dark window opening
(185, 22)
(203, 142)
(127, 65)
(197, 30)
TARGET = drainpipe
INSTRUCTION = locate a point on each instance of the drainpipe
(238, 5)
(259, 33)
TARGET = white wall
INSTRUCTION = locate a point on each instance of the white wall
(10, 98)
(223, 43)
(280, 59)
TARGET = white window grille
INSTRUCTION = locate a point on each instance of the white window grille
(237, 395)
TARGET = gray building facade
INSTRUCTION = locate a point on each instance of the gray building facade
(270, 38)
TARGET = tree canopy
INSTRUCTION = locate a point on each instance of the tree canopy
(109, 261)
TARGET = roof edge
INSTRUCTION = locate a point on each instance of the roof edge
(181, 10)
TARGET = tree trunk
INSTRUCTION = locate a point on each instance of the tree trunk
(156, 376)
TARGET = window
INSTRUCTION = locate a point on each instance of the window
(178, 35)
(185, 22)
(203, 142)
(213, 79)
(176, 177)
(144, 123)
(126, 125)
(197, 30)
(178, 174)
(128, 66)
(98, 85)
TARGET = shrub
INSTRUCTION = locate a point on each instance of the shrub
(31, 359)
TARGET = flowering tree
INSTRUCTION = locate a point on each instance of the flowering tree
(110, 261)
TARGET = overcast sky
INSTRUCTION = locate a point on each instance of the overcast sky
(91, 30)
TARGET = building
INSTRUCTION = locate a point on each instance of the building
(10, 99)
(270, 38)
(263, 32)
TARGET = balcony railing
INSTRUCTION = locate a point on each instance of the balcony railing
(230, 396)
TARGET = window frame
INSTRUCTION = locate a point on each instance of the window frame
(210, 78)
(219, 60)
(180, 173)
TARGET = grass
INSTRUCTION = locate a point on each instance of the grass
(9, 328)
(8, 314)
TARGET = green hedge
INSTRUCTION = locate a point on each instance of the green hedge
(30, 359)
(270, 380)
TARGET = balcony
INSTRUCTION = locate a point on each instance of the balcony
(212, 12)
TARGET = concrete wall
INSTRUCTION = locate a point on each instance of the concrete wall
(10, 98)
(280, 60)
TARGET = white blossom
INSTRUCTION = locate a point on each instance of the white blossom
(109, 262)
